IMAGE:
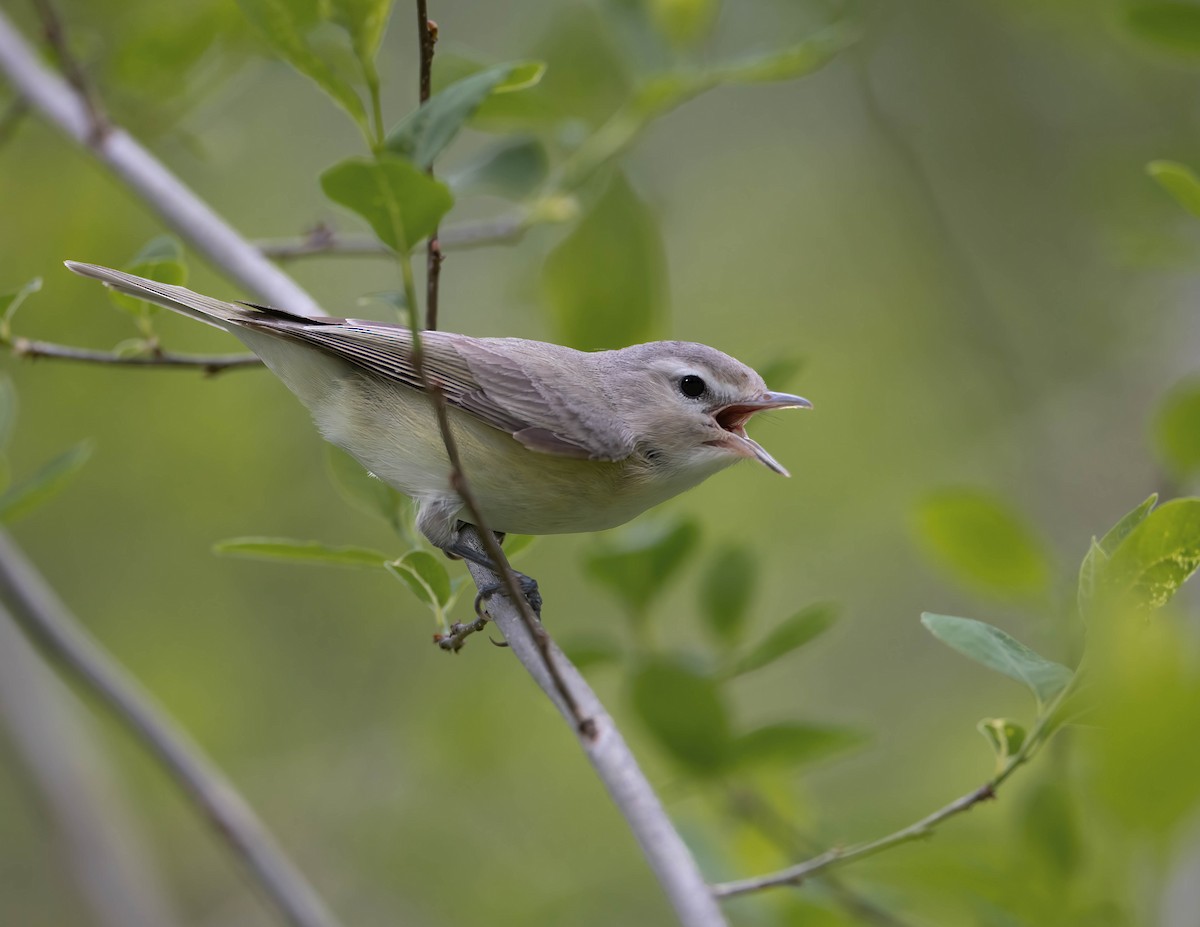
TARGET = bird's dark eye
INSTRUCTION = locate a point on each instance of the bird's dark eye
(692, 385)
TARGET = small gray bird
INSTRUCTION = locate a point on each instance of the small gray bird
(552, 440)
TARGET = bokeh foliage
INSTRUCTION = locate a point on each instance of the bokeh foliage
(951, 226)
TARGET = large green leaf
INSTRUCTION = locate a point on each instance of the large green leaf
(426, 576)
(365, 21)
(726, 590)
(794, 61)
(424, 133)
(639, 563)
(286, 549)
(1177, 429)
(513, 169)
(684, 21)
(1094, 563)
(1001, 652)
(798, 630)
(1179, 181)
(794, 743)
(1156, 557)
(606, 282)
(683, 709)
(983, 543)
(400, 202)
(365, 491)
(21, 498)
(285, 24)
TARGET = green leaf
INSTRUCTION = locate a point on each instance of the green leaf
(10, 302)
(286, 549)
(1098, 553)
(797, 60)
(364, 491)
(684, 22)
(1156, 557)
(8, 410)
(51, 479)
(1179, 181)
(161, 259)
(639, 563)
(725, 592)
(285, 24)
(802, 627)
(401, 203)
(1005, 736)
(514, 169)
(1177, 428)
(683, 709)
(364, 21)
(999, 651)
(606, 283)
(794, 743)
(426, 576)
(983, 543)
(1170, 27)
(516, 544)
(424, 133)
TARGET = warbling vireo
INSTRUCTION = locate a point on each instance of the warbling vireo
(552, 440)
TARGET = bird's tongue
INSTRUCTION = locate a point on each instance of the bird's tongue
(742, 443)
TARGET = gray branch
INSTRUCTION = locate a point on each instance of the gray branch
(669, 857)
(54, 99)
(46, 619)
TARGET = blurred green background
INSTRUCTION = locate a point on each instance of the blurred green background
(949, 229)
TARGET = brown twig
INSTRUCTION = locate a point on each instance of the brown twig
(56, 38)
(209, 364)
(459, 633)
(323, 240)
(427, 30)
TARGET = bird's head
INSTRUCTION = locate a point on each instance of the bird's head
(693, 404)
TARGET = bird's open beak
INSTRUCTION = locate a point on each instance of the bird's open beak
(733, 418)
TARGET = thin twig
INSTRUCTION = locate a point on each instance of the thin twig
(56, 37)
(427, 30)
(324, 241)
(185, 213)
(795, 875)
(46, 619)
(459, 633)
(209, 364)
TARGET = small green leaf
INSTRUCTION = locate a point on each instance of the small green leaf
(792, 634)
(364, 491)
(1179, 181)
(286, 549)
(513, 169)
(983, 543)
(8, 410)
(726, 590)
(1096, 560)
(285, 24)
(160, 259)
(592, 650)
(364, 21)
(401, 203)
(999, 651)
(606, 283)
(1005, 736)
(424, 133)
(683, 709)
(684, 22)
(792, 744)
(425, 575)
(795, 61)
(47, 482)
(10, 302)
(1177, 428)
(639, 563)
(1156, 557)
(1170, 27)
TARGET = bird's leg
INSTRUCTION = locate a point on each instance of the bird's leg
(529, 586)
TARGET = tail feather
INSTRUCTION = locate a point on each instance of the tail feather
(204, 308)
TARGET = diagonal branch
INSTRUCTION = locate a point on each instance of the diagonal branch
(180, 209)
(36, 607)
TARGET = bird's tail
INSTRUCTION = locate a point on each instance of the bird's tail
(204, 308)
